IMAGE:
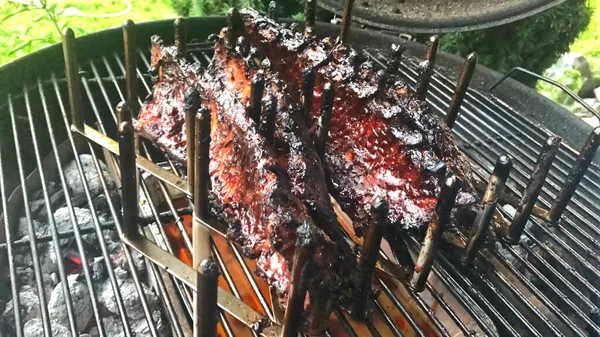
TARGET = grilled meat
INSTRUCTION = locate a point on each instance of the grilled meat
(162, 119)
(249, 188)
(383, 141)
(289, 134)
(296, 153)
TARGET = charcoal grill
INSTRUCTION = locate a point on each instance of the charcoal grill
(542, 283)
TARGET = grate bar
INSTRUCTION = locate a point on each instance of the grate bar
(103, 248)
(557, 312)
(576, 242)
(391, 324)
(467, 301)
(526, 302)
(555, 275)
(31, 231)
(429, 313)
(14, 283)
(51, 223)
(439, 299)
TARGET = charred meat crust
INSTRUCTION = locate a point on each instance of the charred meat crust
(249, 187)
(291, 139)
(294, 149)
(162, 118)
(383, 141)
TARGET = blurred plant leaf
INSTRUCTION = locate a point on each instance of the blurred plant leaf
(39, 18)
(21, 46)
(70, 11)
(23, 10)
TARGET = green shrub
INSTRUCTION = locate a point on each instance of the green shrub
(533, 43)
(286, 8)
(571, 78)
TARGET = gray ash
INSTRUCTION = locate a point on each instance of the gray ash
(80, 298)
(35, 328)
(69, 253)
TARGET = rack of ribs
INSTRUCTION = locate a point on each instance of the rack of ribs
(250, 189)
(161, 119)
(289, 135)
(383, 141)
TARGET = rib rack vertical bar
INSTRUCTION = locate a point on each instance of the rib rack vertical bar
(131, 78)
(435, 231)
(73, 80)
(490, 199)
(575, 175)
(533, 189)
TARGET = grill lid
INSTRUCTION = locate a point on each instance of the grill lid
(440, 16)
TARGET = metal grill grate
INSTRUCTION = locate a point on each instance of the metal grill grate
(552, 291)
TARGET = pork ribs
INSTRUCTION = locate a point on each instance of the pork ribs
(249, 187)
(384, 143)
(289, 135)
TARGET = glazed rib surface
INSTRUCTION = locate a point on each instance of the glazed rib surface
(250, 189)
(383, 142)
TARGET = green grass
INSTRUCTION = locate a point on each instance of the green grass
(31, 30)
(588, 42)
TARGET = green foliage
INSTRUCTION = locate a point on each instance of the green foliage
(27, 26)
(570, 78)
(588, 42)
(534, 43)
(182, 7)
(285, 8)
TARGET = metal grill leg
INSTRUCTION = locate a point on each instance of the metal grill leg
(490, 199)
(73, 80)
(434, 233)
(425, 72)
(130, 65)
(270, 114)
(256, 95)
(301, 273)
(181, 36)
(273, 10)
(202, 178)
(347, 19)
(311, 10)
(461, 89)
(206, 313)
(129, 190)
(326, 112)
(205, 304)
(191, 105)
(234, 26)
(396, 57)
(533, 189)
(432, 49)
(308, 88)
(368, 259)
(574, 178)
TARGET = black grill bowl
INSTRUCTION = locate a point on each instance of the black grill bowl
(546, 286)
